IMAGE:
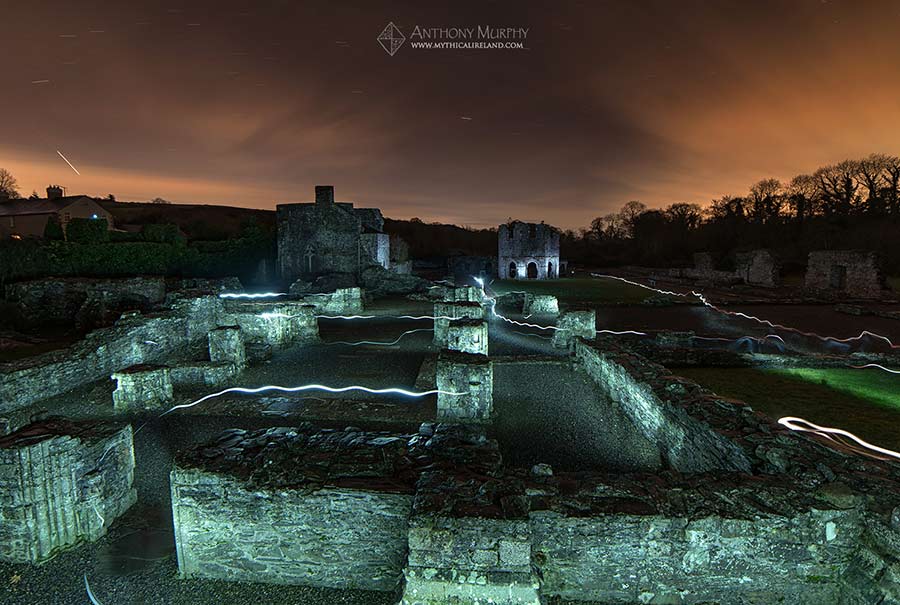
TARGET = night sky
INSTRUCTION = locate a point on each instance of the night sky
(252, 104)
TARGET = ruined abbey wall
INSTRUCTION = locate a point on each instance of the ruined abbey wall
(527, 250)
(845, 273)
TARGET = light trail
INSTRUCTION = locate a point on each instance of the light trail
(622, 332)
(245, 295)
(378, 343)
(68, 162)
(493, 303)
(90, 593)
(796, 424)
(877, 366)
(706, 303)
(311, 387)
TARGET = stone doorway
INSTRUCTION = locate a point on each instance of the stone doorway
(532, 270)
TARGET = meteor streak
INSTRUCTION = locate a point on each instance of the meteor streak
(68, 162)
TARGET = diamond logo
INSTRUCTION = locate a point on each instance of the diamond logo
(391, 39)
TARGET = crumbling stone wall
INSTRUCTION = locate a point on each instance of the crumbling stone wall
(540, 304)
(62, 483)
(134, 339)
(758, 268)
(527, 250)
(624, 558)
(328, 237)
(643, 393)
(334, 518)
(274, 323)
(574, 324)
(83, 302)
(445, 312)
(468, 336)
(465, 385)
(845, 273)
(343, 301)
(468, 561)
(142, 387)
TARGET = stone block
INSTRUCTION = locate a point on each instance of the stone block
(142, 387)
(62, 483)
(465, 387)
(226, 344)
(573, 324)
(444, 312)
(468, 336)
(540, 304)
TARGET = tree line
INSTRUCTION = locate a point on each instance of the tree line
(850, 204)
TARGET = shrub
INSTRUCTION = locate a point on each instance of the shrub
(87, 231)
(53, 231)
(162, 234)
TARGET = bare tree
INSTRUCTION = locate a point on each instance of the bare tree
(8, 185)
(801, 196)
(872, 175)
(766, 200)
(838, 186)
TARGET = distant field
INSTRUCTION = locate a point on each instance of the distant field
(864, 402)
(577, 289)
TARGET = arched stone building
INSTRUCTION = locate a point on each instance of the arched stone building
(527, 251)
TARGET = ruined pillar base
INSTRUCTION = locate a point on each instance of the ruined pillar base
(226, 344)
(142, 387)
(445, 312)
(465, 387)
(468, 336)
(574, 324)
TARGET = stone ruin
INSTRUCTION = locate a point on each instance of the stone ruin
(540, 304)
(845, 273)
(527, 251)
(742, 511)
(754, 268)
(574, 324)
(62, 483)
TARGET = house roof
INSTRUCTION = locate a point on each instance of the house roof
(39, 206)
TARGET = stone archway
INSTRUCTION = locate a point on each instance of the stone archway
(532, 271)
(513, 271)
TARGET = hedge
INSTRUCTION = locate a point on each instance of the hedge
(87, 230)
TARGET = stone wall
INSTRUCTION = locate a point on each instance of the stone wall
(649, 397)
(758, 268)
(469, 561)
(333, 511)
(274, 323)
(376, 248)
(465, 384)
(572, 325)
(83, 302)
(625, 558)
(846, 273)
(445, 312)
(540, 304)
(180, 331)
(468, 336)
(142, 387)
(527, 250)
(343, 301)
(62, 483)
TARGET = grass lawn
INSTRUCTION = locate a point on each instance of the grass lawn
(864, 402)
(577, 289)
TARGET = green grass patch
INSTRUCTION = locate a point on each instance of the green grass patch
(864, 402)
(577, 290)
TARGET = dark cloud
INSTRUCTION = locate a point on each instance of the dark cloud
(253, 103)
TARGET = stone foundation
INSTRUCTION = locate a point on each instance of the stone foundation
(142, 387)
(180, 331)
(572, 325)
(465, 387)
(343, 301)
(203, 373)
(688, 444)
(468, 336)
(444, 312)
(540, 304)
(758, 268)
(62, 483)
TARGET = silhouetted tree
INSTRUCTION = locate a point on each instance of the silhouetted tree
(8, 185)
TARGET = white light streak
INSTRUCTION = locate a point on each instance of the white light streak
(311, 387)
(877, 366)
(90, 593)
(40, 81)
(702, 299)
(796, 424)
(245, 295)
(68, 162)
(377, 343)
